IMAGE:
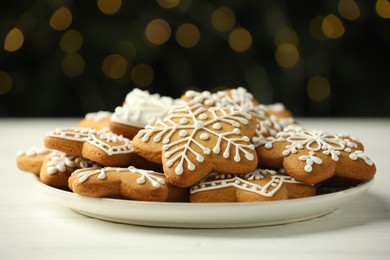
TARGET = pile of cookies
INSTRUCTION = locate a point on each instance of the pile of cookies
(203, 147)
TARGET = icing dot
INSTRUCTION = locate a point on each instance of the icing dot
(203, 116)
(183, 133)
(198, 125)
(217, 126)
(204, 136)
(183, 121)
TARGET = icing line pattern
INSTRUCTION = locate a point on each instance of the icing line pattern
(316, 141)
(178, 150)
(146, 175)
(219, 181)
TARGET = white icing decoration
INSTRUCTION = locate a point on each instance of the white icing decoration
(183, 121)
(72, 134)
(219, 181)
(32, 152)
(183, 133)
(146, 175)
(217, 126)
(181, 147)
(316, 141)
(106, 141)
(242, 100)
(58, 162)
(99, 116)
(204, 136)
(142, 108)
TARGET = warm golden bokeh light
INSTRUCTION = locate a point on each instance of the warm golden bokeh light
(240, 40)
(187, 35)
(142, 75)
(114, 66)
(73, 65)
(332, 27)
(286, 55)
(223, 19)
(5, 83)
(168, 4)
(315, 28)
(61, 19)
(14, 40)
(286, 34)
(158, 31)
(382, 8)
(318, 88)
(71, 41)
(109, 6)
(349, 9)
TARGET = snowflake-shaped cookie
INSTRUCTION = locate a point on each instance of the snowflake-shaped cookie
(128, 183)
(267, 119)
(194, 140)
(314, 156)
(259, 185)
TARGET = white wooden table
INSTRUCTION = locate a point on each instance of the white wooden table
(33, 227)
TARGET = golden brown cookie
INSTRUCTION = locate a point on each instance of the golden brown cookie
(126, 183)
(259, 185)
(98, 120)
(268, 118)
(32, 159)
(52, 167)
(315, 156)
(104, 148)
(194, 140)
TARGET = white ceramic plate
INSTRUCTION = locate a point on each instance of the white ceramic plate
(203, 215)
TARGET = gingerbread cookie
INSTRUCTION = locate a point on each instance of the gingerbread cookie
(126, 183)
(140, 108)
(97, 120)
(315, 156)
(32, 159)
(259, 185)
(267, 117)
(52, 167)
(105, 148)
(193, 140)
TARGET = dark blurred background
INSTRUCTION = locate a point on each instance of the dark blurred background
(320, 58)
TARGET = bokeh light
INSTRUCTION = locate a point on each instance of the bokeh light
(142, 75)
(187, 35)
(332, 27)
(286, 55)
(114, 66)
(240, 40)
(61, 19)
(27, 22)
(73, 65)
(158, 31)
(109, 6)
(14, 40)
(5, 83)
(349, 9)
(168, 4)
(318, 88)
(223, 19)
(71, 41)
(382, 8)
